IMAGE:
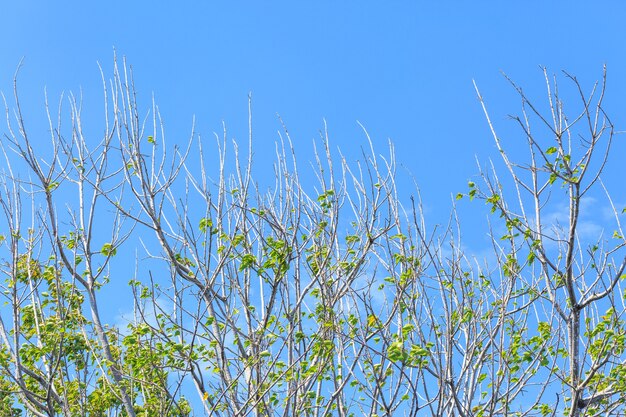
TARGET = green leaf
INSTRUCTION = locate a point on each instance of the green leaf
(108, 250)
(396, 352)
(205, 224)
(551, 150)
(553, 178)
(52, 186)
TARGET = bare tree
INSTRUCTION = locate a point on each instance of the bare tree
(318, 294)
(569, 280)
(59, 361)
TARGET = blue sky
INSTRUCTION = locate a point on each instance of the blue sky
(404, 69)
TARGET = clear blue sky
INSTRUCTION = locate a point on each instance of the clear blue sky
(404, 69)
